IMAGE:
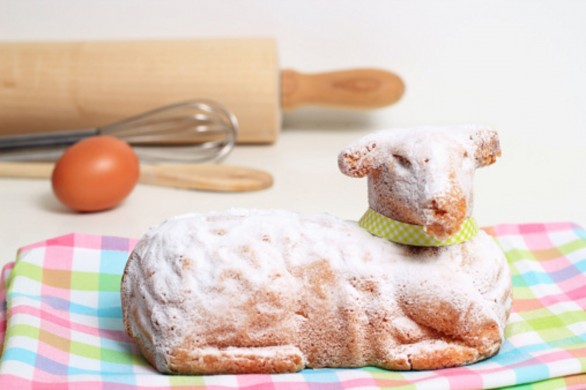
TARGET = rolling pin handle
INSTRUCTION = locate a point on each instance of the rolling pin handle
(355, 88)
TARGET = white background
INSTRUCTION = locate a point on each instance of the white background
(519, 66)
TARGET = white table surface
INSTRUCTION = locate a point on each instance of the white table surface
(518, 66)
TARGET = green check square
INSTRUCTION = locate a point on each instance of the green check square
(547, 322)
(86, 281)
(514, 255)
(28, 270)
(109, 282)
(572, 246)
(180, 380)
(85, 350)
(119, 357)
(23, 330)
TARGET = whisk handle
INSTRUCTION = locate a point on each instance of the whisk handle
(38, 140)
(362, 88)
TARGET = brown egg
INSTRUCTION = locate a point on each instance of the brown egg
(95, 174)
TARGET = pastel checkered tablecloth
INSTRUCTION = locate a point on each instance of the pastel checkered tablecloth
(63, 326)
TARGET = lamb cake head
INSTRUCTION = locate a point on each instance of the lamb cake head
(273, 291)
(422, 176)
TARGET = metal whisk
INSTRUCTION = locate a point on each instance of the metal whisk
(190, 132)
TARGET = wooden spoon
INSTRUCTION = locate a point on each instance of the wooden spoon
(207, 177)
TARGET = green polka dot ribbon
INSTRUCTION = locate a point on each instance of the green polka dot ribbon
(404, 233)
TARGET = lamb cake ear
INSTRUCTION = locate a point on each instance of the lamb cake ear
(486, 146)
(360, 158)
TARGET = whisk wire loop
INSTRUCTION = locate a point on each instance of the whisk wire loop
(190, 131)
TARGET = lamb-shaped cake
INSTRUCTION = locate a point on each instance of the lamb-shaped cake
(413, 285)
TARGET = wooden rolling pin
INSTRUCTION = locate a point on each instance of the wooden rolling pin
(49, 86)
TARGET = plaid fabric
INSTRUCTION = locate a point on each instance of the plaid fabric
(404, 233)
(64, 326)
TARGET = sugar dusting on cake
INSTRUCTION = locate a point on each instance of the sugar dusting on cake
(269, 291)
(253, 278)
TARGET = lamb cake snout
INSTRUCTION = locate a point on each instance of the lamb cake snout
(271, 291)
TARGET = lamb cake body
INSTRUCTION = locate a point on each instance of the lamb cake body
(272, 291)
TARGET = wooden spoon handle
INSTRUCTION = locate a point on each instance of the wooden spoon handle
(208, 177)
(26, 170)
(356, 88)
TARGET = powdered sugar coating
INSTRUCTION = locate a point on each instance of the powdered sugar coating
(243, 291)
(326, 291)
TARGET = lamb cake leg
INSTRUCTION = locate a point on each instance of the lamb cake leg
(234, 360)
(464, 330)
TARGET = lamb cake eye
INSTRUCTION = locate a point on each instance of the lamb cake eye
(402, 160)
